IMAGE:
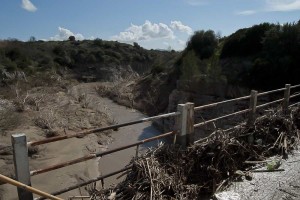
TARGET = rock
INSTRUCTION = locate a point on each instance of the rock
(112, 196)
(227, 196)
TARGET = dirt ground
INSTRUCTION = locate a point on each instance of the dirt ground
(64, 112)
(281, 185)
(50, 111)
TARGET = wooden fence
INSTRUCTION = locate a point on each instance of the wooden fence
(183, 133)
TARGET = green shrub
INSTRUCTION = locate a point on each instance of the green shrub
(59, 50)
(203, 43)
(14, 54)
(189, 66)
(98, 42)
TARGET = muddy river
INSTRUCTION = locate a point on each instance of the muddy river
(73, 148)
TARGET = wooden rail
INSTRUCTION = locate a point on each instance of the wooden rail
(222, 102)
(183, 132)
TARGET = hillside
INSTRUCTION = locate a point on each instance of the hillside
(263, 57)
(88, 59)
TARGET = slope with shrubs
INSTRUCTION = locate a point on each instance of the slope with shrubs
(263, 57)
(97, 58)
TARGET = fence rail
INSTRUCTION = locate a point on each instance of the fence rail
(183, 133)
(92, 156)
(112, 127)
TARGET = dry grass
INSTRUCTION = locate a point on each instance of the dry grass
(169, 172)
(48, 121)
(9, 119)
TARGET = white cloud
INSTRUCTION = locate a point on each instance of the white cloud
(27, 5)
(246, 12)
(146, 31)
(181, 42)
(274, 5)
(196, 2)
(64, 34)
(177, 25)
(282, 5)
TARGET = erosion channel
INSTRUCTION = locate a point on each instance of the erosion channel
(61, 151)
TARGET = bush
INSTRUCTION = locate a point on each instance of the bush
(189, 67)
(245, 42)
(203, 43)
(59, 50)
(14, 54)
(72, 38)
(98, 42)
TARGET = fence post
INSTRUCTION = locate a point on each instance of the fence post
(286, 99)
(252, 107)
(21, 163)
(180, 125)
(185, 124)
(190, 123)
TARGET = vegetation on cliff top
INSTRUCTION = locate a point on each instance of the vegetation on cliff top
(264, 56)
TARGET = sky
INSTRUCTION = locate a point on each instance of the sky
(153, 24)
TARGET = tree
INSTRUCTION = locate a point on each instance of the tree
(135, 44)
(32, 39)
(203, 43)
(72, 38)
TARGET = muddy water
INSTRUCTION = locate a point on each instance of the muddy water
(60, 151)
(123, 136)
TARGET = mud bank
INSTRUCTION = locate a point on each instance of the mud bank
(65, 150)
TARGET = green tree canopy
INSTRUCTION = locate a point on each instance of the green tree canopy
(203, 43)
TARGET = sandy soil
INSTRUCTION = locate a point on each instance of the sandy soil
(282, 185)
(57, 152)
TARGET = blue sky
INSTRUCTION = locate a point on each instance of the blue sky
(153, 24)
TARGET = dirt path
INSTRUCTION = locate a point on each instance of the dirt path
(76, 147)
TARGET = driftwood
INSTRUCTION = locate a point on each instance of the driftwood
(169, 172)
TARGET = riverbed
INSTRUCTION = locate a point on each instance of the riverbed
(73, 148)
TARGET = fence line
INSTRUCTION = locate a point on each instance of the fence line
(92, 156)
(269, 103)
(112, 127)
(295, 86)
(295, 95)
(222, 102)
(87, 182)
(27, 188)
(222, 117)
(270, 92)
(183, 131)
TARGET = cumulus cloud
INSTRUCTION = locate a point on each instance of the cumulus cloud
(146, 31)
(177, 25)
(196, 2)
(181, 42)
(274, 5)
(64, 34)
(282, 5)
(27, 5)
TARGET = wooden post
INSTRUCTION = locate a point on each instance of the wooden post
(190, 124)
(185, 124)
(21, 163)
(252, 107)
(286, 99)
(181, 125)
